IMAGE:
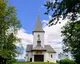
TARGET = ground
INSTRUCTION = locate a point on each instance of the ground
(34, 63)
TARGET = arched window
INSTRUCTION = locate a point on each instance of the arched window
(51, 55)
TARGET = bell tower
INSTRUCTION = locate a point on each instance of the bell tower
(38, 33)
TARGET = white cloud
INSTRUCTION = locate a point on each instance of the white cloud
(50, 17)
(53, 35)
(25, 39)
(52, 1)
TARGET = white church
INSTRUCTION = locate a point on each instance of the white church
(38, 52)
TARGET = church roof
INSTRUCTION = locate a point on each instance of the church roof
(29, 48)
(39, 48)
(38, 27)
(48, 48)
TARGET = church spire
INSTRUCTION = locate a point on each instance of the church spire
(38, 27)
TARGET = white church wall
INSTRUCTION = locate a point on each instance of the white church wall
(46, 57)
(33, 56)
(29, 55)
(50, 57)
(35, 38)
(54, 57)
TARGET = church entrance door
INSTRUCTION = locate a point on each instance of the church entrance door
(38, 58)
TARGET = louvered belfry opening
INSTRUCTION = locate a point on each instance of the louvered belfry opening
(39, 41)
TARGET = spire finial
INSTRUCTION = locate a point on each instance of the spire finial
(38, 19)
(38, 12)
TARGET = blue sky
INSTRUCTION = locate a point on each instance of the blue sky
(27, 11)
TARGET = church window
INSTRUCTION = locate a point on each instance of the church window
(51, 56)
(26, 54)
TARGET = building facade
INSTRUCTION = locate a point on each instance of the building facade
(38, 52)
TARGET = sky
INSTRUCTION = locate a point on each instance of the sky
(27, 12)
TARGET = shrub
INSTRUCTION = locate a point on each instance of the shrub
(13, 60)
(67, 61)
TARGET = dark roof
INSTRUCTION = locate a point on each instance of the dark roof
(29, 48)
(48, 48)
(38, 27)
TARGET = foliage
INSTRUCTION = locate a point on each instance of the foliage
(71, 39)
(11, 61)
(9, 24)
(67, 9)
(67, 61)
(63, 8)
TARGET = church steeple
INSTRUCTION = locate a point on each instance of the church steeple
(38, 31)
(38, 27)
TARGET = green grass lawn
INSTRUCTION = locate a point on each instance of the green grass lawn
(34, 63)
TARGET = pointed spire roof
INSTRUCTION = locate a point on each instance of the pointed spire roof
(38, 27)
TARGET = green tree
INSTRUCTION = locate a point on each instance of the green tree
(62, 8)
(71, 40)
(67, 9)
(9, 24)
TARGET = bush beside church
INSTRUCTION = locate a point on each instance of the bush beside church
(67, 61)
